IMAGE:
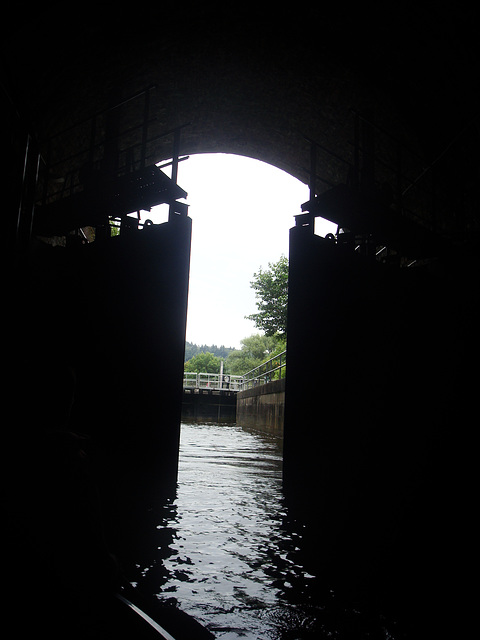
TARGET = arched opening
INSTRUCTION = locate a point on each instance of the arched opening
(241, 210)
(260, 84)
(120, 321)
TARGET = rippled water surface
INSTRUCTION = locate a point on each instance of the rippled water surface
(227, 552)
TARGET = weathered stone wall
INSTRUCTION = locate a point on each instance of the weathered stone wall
(262, 407)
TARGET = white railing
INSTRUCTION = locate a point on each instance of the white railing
(272, 369)
(212, 381)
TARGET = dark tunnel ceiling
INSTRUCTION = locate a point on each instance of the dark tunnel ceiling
(248, 78)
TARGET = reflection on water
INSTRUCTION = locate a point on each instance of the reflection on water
(227, 553)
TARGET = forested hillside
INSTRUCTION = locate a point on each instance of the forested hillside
(194, 349)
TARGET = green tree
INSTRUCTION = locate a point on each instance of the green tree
(192, 349)
(271, 292)
(254, 350)
(203, 363)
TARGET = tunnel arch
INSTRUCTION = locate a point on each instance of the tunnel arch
(248, 82)
(251, 113)
(259, 81)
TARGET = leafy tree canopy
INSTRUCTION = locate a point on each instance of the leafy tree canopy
(203, 363)
(255, 349)
(192, 349)
(271, 292)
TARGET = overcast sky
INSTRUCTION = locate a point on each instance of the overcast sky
(241, 212)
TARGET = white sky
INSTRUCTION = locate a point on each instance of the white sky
(241, 211)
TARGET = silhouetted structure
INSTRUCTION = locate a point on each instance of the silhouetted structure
(388, 447)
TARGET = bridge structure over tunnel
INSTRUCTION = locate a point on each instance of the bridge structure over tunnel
(398, 71)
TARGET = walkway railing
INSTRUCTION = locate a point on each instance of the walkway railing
(215, 381)
(272, 369)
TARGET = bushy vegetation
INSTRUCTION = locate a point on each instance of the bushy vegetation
(271, 291)
(203, 363)
(255, 349)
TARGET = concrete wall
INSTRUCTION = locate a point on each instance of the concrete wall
(262, 407)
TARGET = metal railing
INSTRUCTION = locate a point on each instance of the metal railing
(214, 381)
(273, 369)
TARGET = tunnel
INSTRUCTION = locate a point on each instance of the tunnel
(376, 109)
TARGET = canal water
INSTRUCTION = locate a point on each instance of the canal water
(227, 553)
